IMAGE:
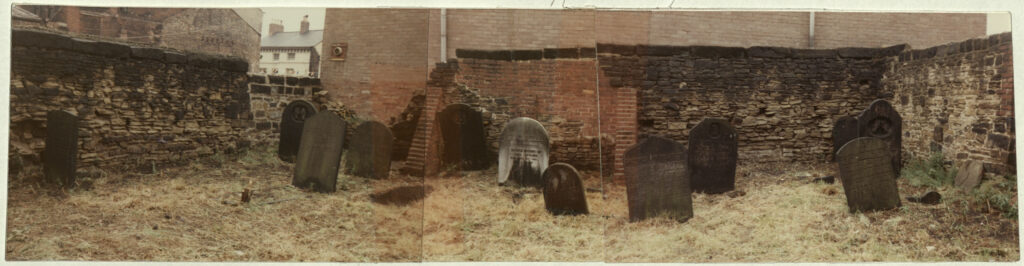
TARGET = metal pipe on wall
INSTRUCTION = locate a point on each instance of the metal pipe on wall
(444, 35)
(810, 35)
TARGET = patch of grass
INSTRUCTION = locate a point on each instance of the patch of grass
(929, 172)
(999, 193)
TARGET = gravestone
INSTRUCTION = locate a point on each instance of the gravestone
(843, 131)
(658, 180)
(60, 155)
(292, 119)
(970, 176)
(369, 151)
(563, 190)
(881, 121)
(867, 175)
(712, 156)
(462, 132)
(320, 152)
(523, 152)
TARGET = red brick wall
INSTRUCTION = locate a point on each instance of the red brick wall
(920, 30)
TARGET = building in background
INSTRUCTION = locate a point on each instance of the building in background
(291, 53)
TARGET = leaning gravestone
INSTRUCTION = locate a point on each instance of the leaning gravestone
(462, 131)
(563, 190)
(369, 151)
(970, 176)
(657, 180)
(881, 121)
(523, 152)
(320, 152)
(843, 131)
(60, 155)
(712, 156)
(868, 178)
(292, 119)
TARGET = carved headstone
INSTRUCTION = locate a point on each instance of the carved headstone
(292, 119)
(60, 155)
(843, 131)
(563, 190)
(658, 180)
(369, 151)
(970, 176)
(462, 132)
(320, 152)
(523, 152)
(881, 121)
(712, 156)
(867, 175)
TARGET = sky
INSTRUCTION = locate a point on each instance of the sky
(292, 16)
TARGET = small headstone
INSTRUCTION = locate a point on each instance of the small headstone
(844, 131)
(881, 121)
(712, 156)
(292, 119)
(657, 180)
(970, 176)
(523, 152)
(60, 155)
(462, 132)
(320, 152)
(369, 151)
(867, 175)
(563, 190)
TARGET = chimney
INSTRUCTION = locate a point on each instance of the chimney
(276, 26)
(304, 26)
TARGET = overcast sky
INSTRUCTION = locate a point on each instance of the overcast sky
(292, 16)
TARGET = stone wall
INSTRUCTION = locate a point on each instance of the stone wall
(269, 95)
(957, 99)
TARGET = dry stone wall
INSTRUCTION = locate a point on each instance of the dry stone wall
(269, 95)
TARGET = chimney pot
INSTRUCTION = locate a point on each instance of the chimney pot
(304, 25)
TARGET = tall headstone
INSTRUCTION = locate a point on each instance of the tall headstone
(462, 132)
(881, 121)
(658, 180)
(867, 175)
(292, 119)
(369, 151)
(712, 156)
(523, 152)
(843, 131)
(563, 190)
(320, 152)
(60, 155)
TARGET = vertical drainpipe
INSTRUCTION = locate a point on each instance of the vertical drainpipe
(810, 36)
(444, 35)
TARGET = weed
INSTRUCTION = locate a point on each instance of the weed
(998, 193)
(930, 172)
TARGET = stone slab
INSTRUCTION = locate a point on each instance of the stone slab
(658, 180)
(319, 154)
(867, 175)
(564, 191)
(880, 120)
(524, 147)
(293, 118)
(462, 132)
(712, 156)
(369, 151)
(60, 155)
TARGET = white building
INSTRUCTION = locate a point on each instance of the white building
(292, 53)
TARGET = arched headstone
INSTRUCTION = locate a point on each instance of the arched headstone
(320, 152)
(658, 180)
(867, 176)
(369, 151)
(523, 152)
(844, 131)
(563, 190)
(880, 120)
(60, 155)
(712, 156)
(292, 119)
(462, 132)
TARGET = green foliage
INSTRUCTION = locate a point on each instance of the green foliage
(929, 172)
(998, 193)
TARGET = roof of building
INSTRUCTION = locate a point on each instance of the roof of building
(20, 13)
(293, 39)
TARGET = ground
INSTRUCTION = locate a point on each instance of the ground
(193, 213)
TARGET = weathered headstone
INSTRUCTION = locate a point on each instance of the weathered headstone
(658, 180)
(320, 152)
(523, 152)
(462, 132)
(867, 175)
(712, 156)
(369, 151)
(292, 119)
(563, 190)
(970, 176)
(844, 131)
(60, 155)
(881, 121)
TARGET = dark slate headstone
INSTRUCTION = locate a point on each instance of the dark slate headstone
(881, 121)
(867, 175)
(712, 156)
(462, 131)
(563, 190)
(60, 155)
(658, 180)
(292, 119)
(523, 152)
(320, 152)
(844, 131)
(369, 151)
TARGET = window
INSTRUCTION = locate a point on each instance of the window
(291, 56)
(290, 71)
(275, 70)
(277, 56)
